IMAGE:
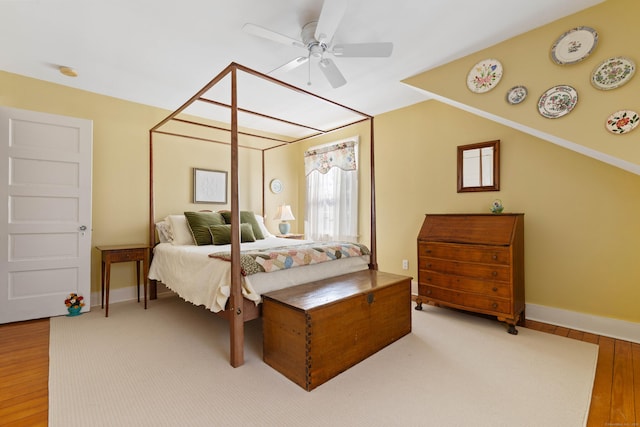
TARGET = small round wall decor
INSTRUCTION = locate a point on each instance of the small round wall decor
(557, 101)
(516, 95)
(622, 121)
(613, 73)
(276, 186)
(484, 76)
(574, 45)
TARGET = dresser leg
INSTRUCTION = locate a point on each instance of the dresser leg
(418, 304)
(512, 329)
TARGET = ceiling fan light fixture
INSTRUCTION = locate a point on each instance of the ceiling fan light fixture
(68, 71)
(317, 38)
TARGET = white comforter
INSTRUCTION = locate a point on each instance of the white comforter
(191, 273)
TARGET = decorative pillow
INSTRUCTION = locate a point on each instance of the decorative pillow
(164, 232)
(265, 232)
(245, 217)
(199, 223)
(221, 234)
(180, 230)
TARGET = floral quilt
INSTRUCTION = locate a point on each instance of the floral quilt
(275, 259)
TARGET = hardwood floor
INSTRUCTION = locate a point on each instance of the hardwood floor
(24, 375)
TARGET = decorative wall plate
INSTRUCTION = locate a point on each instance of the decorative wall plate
(516, 95)
(557, 101)
(484, 76)
(613, 73)
(276, 186)
(574, 45)
(622, 121)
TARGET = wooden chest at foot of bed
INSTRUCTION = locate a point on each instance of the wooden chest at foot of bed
(315, 331)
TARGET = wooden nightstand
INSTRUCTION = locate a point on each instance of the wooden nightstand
(123, 253)
(291, 236)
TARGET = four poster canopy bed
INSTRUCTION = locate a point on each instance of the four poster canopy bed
(225, 270)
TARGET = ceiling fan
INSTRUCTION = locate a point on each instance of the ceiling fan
(317, 38)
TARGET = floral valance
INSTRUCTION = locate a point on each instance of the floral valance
(340, 155)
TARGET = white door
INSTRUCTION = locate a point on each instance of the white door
(45, 229)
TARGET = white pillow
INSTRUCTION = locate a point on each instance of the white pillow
(164, 232)
(180, 231)
(263, 228)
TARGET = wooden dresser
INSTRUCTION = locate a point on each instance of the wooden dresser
(473, 262)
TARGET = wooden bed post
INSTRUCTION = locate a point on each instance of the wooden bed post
(373, 263)
(236, 319)
(237, 313)
(153, 285)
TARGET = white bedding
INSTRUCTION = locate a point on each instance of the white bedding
(191, 273)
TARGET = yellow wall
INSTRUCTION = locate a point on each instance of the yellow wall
(581, 215)
(526, 61)
(120, 205)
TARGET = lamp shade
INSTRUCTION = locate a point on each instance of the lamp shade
(284, 213)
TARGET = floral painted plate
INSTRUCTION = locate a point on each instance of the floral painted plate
(613, 73)
(484, 76)
(622, 121)
(557, 101)
(574, 45)
(516, 95)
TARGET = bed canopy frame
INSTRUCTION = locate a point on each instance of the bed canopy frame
(244, 108)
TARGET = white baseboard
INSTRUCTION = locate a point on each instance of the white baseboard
(123, 294)
(614, 328)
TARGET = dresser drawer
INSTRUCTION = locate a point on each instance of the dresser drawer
(466, 269)
(465, 284)
(125, 255)
(465, 300)
(471, 253)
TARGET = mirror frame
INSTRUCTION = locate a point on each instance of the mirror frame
(496, 167)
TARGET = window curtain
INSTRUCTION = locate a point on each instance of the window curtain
(332, 192)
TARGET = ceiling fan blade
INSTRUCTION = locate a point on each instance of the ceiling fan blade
(330, 17)
(259, 31)
(294, 63)
(331, 72)
(378, 50)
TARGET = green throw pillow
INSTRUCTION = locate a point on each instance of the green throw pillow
(246, 217)
(221, 234)
(199, 223)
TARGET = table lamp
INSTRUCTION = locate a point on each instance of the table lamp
(284, 214)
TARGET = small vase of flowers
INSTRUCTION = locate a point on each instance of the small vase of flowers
(74, 304)
(496, 206)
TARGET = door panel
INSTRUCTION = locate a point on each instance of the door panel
(45, 237)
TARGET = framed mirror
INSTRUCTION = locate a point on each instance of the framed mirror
(479, 167)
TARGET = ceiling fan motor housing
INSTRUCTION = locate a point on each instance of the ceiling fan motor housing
(316, 48)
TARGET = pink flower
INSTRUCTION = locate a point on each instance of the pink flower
(622, 122)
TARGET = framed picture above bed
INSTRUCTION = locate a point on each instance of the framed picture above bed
(209, 186)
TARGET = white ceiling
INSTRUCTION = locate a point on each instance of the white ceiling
(159, 52)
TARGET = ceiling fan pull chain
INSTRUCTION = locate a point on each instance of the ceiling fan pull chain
(309, 72)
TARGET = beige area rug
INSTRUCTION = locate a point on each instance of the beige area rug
(168, 366)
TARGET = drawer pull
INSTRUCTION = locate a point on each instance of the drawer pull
(494, 305)
(494, 289)
(495, 256)
(494, 273)
(428, 291)
(429, 265)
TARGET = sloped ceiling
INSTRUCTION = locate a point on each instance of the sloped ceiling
(526, 61)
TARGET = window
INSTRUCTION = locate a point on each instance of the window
(332, 191)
